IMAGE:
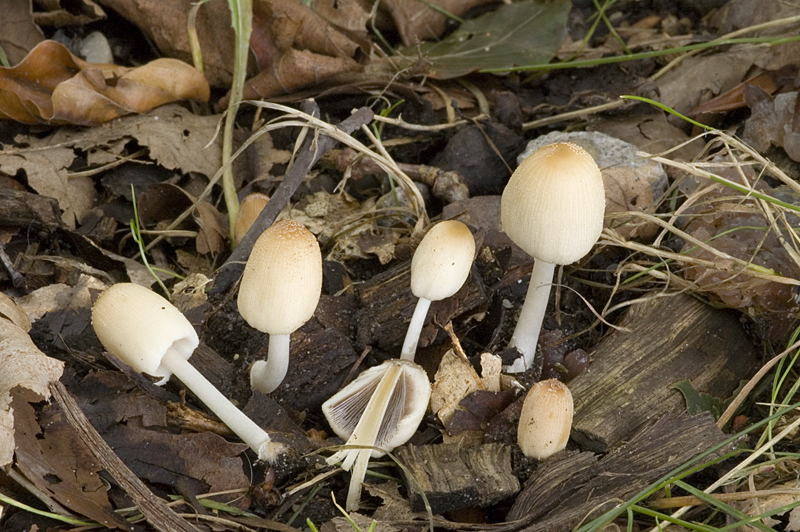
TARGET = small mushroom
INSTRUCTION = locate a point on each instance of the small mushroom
(440, 266)
(380, 410)
(545, 420)
(249, 209)
(553, 209)
(146, 332)
(279, 292)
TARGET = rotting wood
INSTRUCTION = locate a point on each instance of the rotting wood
(157, 513)
(632, 375)
(453, 477)
(23, 209)
(659, 448)
(387, 305)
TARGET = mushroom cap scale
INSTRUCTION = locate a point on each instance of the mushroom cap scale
(546, 419)
(554, 203)
(282, 280)
(139, 327)
(442, 260)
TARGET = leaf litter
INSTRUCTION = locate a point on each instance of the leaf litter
(734, 266)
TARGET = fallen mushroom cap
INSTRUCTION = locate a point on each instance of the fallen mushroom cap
(554, 203)
(546, 419)
(140, 339)
(442, 261)
(282, 280)
(249, 209)
(404, 411)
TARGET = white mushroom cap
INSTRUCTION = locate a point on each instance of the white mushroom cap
(442, 261)
(403, 413)
(546, 419)
(553, 204)
(282, 280)
(139, 327)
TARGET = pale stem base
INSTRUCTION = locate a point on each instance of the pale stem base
(414, 329)
(526, 333)
(243, 426)
(365, 434)
(267, 375)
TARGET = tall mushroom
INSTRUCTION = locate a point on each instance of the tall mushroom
(279, 292)
(553, 209)
(146, 332)
(440, 265)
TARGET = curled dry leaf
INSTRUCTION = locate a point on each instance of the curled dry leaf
(53, 86)
(24, 371)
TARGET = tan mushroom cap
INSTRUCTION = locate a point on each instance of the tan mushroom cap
(442, 260)
(139, 326)
(249, 209)
(545, 420)
(554, 203)
(282, 280)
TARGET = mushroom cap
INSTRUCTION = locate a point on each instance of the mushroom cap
(554, 203)
(249, 209)
(442, 260)
(405, 410)
(139, 327)
(545, 420)
(282, 280)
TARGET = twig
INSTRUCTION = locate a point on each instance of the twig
(313, 149)
(156, 512)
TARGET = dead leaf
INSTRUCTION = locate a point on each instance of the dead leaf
(420, 21)
(454, 380)
(164, 24)
(768, 81)
(627, 191)
(58, 296)
(296, 69)
(53, 86)
(58, 13)
(60, 465)
(18, 32)
(177, 139)
(25, 372)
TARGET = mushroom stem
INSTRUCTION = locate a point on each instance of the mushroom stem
(526, 333)
(243, 426)
(267, 375)
(365, 434)
(414, 329)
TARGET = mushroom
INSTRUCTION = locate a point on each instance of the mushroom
(545, 420)
(440, 266)
(380, 410)
(249, 209)
(279, 292)
(553, 209)
(146, 332)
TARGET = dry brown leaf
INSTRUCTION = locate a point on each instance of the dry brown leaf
(18, 32)
(60, 13)
(53, 86)
(416, 21)
(177, 139)
(164, 24)
(296, 69)
(627, 191)
(351, 16)
(24, 371)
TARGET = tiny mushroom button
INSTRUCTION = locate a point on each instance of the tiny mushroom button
(553, 209)
(279, 292)
(146, 332)
(545, 420)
